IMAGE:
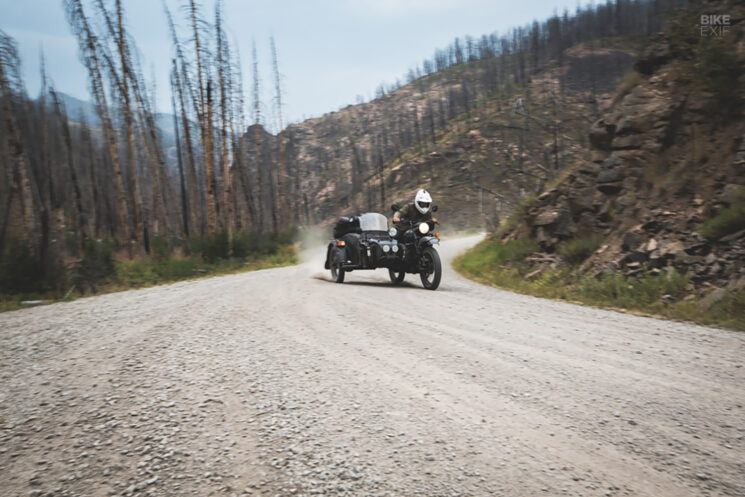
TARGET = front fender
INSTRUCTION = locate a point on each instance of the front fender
(428, 241)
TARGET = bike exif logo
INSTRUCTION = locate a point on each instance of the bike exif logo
(716, 25)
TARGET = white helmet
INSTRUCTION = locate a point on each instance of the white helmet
(423, 201)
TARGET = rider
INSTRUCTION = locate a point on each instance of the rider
(415, 212)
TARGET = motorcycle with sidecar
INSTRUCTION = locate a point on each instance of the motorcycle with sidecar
(367, 242)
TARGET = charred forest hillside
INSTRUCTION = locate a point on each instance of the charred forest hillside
(479, 150)
(484, 123)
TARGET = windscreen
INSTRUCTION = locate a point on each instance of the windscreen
(373, 222)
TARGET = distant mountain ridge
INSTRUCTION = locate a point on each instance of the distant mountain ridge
(78, 110)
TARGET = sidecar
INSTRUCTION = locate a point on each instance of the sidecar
(362, 242)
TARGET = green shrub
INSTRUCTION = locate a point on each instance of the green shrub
(210, 247)
(719, 68)
(490, 254)
(630, 293)
(246, 243)
(729, 220)
(252, 243)
(288, 236)
(575, 251)
(517, 216)
(21, 271)
(175, 268)
(136, 273)
(243, 243)
(729, 311)
(97, 263)
(160, 248)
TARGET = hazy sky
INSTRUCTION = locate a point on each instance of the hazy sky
(330, 51)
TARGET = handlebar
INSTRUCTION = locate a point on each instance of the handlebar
(409, 222)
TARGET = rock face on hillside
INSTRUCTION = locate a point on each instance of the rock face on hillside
(668, 156)
(473, 147)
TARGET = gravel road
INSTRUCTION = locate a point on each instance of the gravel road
(280, 382)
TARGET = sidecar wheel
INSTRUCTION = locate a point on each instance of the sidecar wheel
(432, 271)
(396, 277)
(337, 274)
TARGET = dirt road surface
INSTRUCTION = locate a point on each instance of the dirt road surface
(281, 382)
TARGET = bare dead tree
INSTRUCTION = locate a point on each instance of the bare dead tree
(223, 72)
(280, 124)
(81, 221)
(10, 89)
(89, 53)
(180, 83)
(204, 111)
(257, 140)
(180, 162)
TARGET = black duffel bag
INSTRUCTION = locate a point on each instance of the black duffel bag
(346, 225)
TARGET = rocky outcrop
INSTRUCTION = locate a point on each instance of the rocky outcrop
(661, 163)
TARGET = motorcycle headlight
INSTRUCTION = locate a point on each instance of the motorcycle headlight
(394, 248)
(393, 231)
(423, 228)
(386, 248)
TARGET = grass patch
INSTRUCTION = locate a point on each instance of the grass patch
(729, 220)
(494, 263)
(517, 216)
(22, 277)
(149, 272)
(628, 82)
(494, 254)
(575, 251)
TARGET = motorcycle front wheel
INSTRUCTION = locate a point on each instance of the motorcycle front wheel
(431, 268)
(396, 276)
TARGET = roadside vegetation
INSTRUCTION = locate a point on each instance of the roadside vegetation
(101, 269)
(727, 221)
(668, 294)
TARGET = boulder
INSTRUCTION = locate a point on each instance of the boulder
(652, 146)
(667, 299)
(711, 298)
(610, 175)
(701, 248)
(581, 199)
(547, 217)
(652, 226)
(629, 142)
(740, 163)
(628, 126)
(589, 169)
(656, 260)
(631, 241)
(656, 54)
(601, 134)
(732, 237)
(731, 193)
(635, 256)
(627, 200)
(548, 196)
(610, 188)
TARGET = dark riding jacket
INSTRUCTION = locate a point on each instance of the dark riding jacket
(409, 212)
